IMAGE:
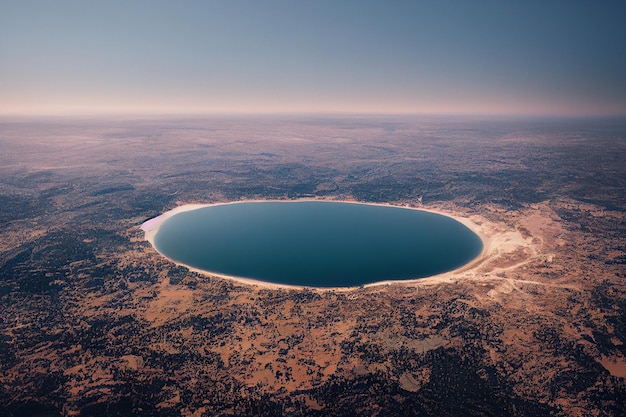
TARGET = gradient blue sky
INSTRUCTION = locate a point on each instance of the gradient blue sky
(472, 57)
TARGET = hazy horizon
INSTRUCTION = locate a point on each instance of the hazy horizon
(242, 57)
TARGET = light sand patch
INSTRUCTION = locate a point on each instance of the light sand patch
(133, 362)
(616, 365)
(169, 301)
(414, 382)
(151, 227)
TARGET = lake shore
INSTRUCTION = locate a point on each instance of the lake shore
(151, 227)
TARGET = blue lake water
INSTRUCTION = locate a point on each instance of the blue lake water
(317, 244)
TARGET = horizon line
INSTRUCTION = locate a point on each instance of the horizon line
(283, 113)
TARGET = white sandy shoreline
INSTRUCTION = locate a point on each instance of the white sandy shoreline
(151, 227)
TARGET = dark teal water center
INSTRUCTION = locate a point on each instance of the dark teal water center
(317, 244)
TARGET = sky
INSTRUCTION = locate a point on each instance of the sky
(518, 57)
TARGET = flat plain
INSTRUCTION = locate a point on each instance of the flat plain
(95, 322)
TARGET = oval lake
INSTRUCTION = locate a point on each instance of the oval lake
(316, 243)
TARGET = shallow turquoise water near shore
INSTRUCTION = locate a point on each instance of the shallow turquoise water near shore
(317, 244)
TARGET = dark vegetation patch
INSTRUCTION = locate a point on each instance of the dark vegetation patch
(457, 387)
(114, 189)
(15, 207)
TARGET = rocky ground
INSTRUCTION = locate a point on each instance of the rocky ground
(95, 322)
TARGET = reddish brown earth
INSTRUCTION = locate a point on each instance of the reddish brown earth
(95, 322)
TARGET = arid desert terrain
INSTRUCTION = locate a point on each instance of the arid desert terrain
(94, 322)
